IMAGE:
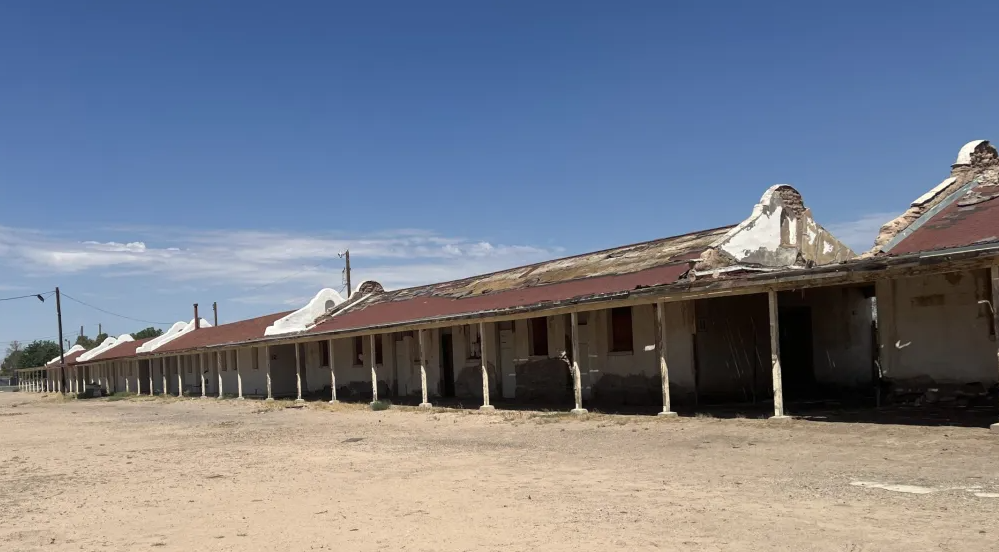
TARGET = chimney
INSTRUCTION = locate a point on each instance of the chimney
(215, 309)
(197, 321)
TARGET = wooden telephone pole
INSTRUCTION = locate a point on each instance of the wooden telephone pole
(62, 350)
(346, 270)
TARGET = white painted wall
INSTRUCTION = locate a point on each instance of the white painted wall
(934, 326)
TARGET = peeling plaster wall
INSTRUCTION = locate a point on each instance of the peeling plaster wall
(254, 381)
(934, 326)
(780, 232)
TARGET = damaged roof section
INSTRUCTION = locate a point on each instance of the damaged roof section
(223, 334)
(780, 233)
(962, 211)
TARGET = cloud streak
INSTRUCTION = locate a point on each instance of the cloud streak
(249, 259)
(861, 232)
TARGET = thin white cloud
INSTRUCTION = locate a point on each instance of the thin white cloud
(861, 232)
(246, 259)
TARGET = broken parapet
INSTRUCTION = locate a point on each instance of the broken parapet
(977, 159)
(780, 233)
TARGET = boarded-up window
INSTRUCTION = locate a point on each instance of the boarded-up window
(222, 359)
(190, 366)
(474, 341)
(255, 358)
(378, 349)
(358, 351)
(620, 329)
(538, 336)
(235, 360)
(324, 347)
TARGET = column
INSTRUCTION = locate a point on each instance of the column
(239, 374)
(423, 368)
(995, 318)
(298, 373)
(180, 377)
(218, 369)
(201, 369)
(163, 373)
(485, 368)
(332, 375)
(149, 368)
(374, 370)
(577, 385)
(267, 353)
(663, 366)
(775, 357)
(138, 384)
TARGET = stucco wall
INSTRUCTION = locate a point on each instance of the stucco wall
(934, 326)
(733, 349)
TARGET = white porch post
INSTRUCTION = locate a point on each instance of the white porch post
(663, 365)
(995, 318)
(201, 370)
(218, 368)
(577, 385)
(128, 386)
(423, 368)
(267, 353)
(332, 375)
(163, 372)
(374, 370)
(149, 368)
(775, 356)
(485, 368)
(239, 374)
(138, 380)
(180, 377)
(298, 373)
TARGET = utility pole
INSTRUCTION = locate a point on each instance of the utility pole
(346, 270)
(100, 330)
(62, 350)
(215, 309)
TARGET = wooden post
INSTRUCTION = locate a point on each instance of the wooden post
(332, 375)
(202, 370)
(485, 368)
(267, 352)
(577, 385)
(374, 370)
(138, 381)
(218, 368)
(149, 364)
(163, 372)
(298, 373)
(239, 374)
(420, 334)
(180, 377)
(775, 356)
(995, 319)
(663, 365)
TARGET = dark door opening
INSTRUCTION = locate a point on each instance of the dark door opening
(797, 370)
(447, 366)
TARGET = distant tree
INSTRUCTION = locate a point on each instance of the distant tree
(11, 358)
(37, 353)
(148, 332)
(85, 341)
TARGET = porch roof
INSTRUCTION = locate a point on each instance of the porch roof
(123, 350)
(971, 218)
(223, 334)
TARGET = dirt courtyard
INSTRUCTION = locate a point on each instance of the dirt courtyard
(169, 474)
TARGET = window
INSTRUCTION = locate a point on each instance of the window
(222, 358)
(473, 341)
(255, 358)
(620, 328)
(378, 349)
(538, 336)
(190, 365)
(358, 351)
(324, 350)
(235, 360)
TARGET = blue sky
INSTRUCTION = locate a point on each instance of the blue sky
(157, 155)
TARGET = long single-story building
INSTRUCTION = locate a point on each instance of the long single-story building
(771, 309)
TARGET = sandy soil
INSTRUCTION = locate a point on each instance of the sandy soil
(225, 475)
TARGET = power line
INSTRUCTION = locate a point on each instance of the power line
(39, 296)
(71, 298)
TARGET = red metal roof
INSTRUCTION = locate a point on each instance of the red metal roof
(122, 350)
(390, 311)
(70, 358)
(223, 334)
(971, 219)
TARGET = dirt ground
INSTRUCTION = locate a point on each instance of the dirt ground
(169, 474)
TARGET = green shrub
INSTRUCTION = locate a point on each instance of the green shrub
(381, 404)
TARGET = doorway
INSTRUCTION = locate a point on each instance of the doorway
(447, 365)
(797, 369)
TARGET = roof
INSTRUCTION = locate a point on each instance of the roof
(234, 332)
(967, 215)
(971, 219)
(70, 358)
(609, 271)
(122, 350)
